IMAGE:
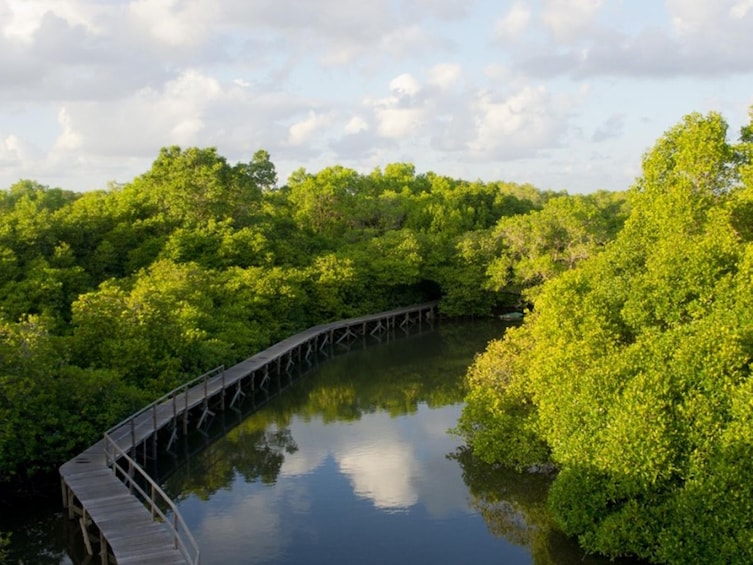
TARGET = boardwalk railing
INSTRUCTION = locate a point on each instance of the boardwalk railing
(176, 398)
(131, 473)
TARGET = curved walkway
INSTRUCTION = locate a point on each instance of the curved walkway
(104, 486)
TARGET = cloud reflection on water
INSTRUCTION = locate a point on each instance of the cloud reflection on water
(384, 458)
(396, 463)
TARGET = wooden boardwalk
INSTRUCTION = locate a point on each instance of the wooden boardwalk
(107, 490)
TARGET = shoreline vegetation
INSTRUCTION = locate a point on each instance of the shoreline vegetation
(632, 377)
(628, 374)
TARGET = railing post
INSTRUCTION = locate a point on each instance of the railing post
(222, 396)
(133, 436)
(154, 436)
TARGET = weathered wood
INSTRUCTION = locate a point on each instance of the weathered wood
(127, 525)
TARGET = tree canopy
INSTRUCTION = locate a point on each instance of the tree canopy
(110, 298)
(631, 376)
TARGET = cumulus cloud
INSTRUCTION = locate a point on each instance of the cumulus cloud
(338, 32)
(514, 23)
(174, 23)
(566, 19)
(701, 38)
(514, 126)
(171, 115)
(302, 131)
(14, 151)
(445, 75)
(355, 125)
(405, 85)
(22, 19)
(70, 139)
(740, 9)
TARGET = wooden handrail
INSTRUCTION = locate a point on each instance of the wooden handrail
(182, 538)
(185, 387)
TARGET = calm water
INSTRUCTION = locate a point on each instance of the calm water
(354, 464)
(351, 463)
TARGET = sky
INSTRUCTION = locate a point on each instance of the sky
(562, 94)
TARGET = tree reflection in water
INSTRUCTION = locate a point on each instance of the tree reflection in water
(514, 506)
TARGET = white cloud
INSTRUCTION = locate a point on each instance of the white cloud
(566, 19)
(514, 23)
(700, 38)
(22, 19)
(411, 41)
(397, 123)
(405, 85)
(403, 112)
(690, 16)
(14, 152)
(515, 126)
(302, 131)
(133, 75)
(173, 22)
(445, 75)
(174, 115)
(355, 125)
(70, 139)
(740, 9)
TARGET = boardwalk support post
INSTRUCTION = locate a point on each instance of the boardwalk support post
(85, 532)
(238, 395)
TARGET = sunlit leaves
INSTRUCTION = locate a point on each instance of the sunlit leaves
(635, 366)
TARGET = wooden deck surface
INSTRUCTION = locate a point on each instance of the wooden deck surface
(121, 518)
(125, 522)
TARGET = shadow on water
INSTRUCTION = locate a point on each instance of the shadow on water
(32, 523)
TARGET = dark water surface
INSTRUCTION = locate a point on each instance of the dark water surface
(354, 464)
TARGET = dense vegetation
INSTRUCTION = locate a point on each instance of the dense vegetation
(110, 298)
(632, 376)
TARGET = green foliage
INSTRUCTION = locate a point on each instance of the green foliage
(632, 375)
(47, 408)
(116, 296)
(544, 243)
